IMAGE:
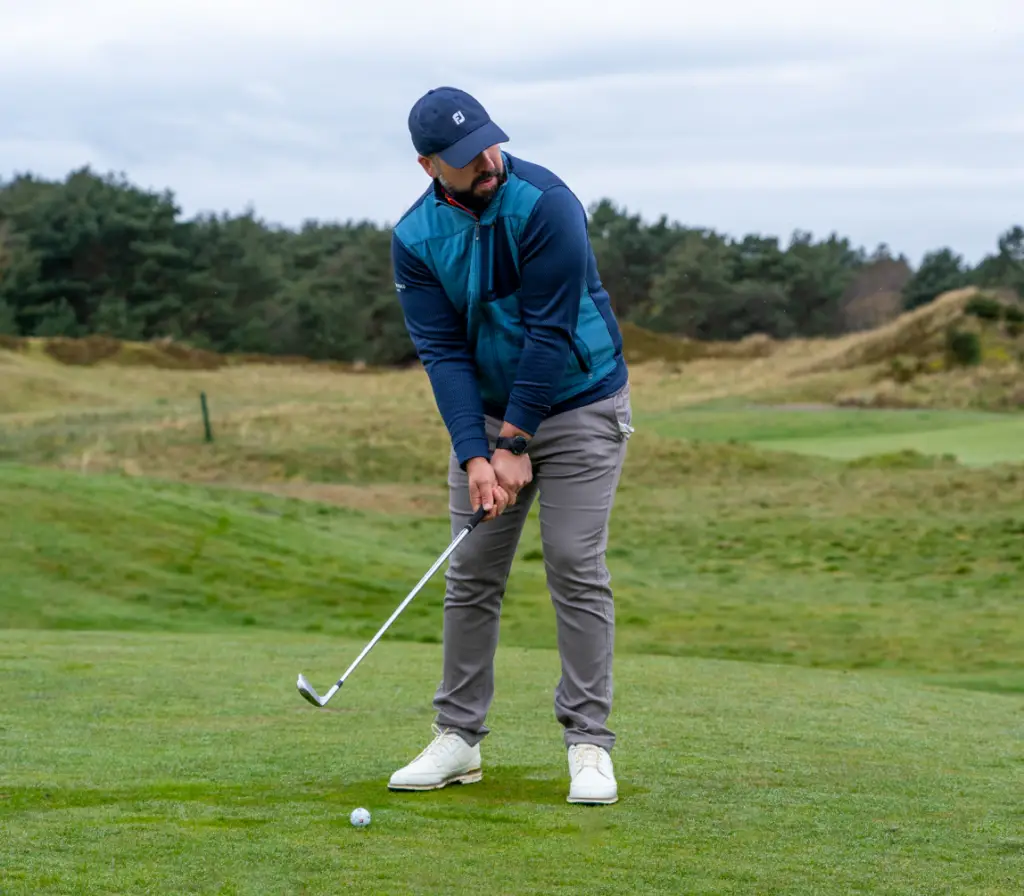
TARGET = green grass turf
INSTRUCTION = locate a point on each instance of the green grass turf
(973, 438)
(912, 570)
(726, 421)
(188, 763)
(974, 445)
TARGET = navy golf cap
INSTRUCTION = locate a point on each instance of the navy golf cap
(449, 122)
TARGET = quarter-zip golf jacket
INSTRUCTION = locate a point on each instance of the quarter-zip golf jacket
(506, 310)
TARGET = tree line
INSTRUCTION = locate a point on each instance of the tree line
(96, 254)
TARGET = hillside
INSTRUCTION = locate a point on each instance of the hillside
(905, 363)
(713, 441)
(99, 404)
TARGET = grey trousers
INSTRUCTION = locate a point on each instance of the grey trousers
(577, 459)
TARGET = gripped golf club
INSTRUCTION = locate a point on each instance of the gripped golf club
(306, 689)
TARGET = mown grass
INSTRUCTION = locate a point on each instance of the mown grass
(189, 764)
(971, 437)
(977, 445)
(838, 568)
(759, 425)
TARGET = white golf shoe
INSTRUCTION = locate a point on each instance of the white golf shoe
(447, 759)
(592, 776)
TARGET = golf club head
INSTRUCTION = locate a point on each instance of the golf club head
(306, 689)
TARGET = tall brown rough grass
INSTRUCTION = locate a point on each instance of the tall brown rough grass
(916, 333)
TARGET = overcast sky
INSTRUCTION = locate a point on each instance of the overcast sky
(896, 121)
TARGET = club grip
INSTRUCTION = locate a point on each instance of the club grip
(475, 519)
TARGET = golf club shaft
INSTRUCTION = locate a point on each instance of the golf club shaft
(474, 521)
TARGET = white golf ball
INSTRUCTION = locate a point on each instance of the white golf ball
(360, 818)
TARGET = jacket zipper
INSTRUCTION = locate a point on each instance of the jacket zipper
(480, 283)
(480, 273)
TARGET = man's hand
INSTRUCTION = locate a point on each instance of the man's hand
(512, 472)
(484, 490)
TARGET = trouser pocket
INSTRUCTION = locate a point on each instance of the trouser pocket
(623, 412)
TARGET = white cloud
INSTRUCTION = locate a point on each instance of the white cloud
(726, 178)
(744, 112)
(452, 29)
(1012, 124)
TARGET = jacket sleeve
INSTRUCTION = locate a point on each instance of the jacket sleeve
(438, 333)
(553, 255)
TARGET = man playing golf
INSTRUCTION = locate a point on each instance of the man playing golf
(503, 302)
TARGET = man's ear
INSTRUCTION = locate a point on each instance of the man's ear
(427, 164)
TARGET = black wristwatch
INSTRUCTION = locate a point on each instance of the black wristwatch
(516, 444)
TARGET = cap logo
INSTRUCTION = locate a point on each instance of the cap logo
(458, 117)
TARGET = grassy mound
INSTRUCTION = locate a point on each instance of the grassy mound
(917, 333)
(963, 350)
(12, 343)
(161, 354)
(995, 388)
(837, 567)
(642, 346)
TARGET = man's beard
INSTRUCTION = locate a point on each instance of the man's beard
(471, 200)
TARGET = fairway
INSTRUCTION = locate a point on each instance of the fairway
(973, 438)
(979, 444)
(188, 763)
(763, 424)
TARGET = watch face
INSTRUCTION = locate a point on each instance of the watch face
(515, 444)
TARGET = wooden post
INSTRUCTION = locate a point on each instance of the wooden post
(206, 417)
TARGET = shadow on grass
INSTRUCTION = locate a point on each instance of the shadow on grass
(503, 786)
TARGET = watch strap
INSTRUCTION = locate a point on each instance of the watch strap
(515, 444)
